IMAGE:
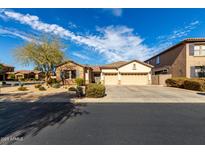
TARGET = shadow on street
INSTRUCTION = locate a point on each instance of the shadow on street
(24, 118)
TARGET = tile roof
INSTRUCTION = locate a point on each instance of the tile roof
(5, 65)
(27, 71)
(95, 68)
(122, 63)
(114, 65)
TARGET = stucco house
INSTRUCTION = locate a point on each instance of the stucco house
(119, 73)
(185, 59)
(29, 74)
(6, 71)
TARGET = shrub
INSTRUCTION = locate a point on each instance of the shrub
(37, 85)
(194, 84)
(95, 90)
(41, 88)
(22, 79)
(22, 88)
(79, 81)
(56, 85)
(79, 91)
(52, 81)
(72, 89)
(176, 82)
(32, 79)
(11, 76)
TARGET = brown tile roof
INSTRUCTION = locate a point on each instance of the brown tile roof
(187, 40)
(27, 71)
(70, 61)
(195, 39)
(23, 71)
(122, 63)
(95, 68)
(5, 65)
(114, 65)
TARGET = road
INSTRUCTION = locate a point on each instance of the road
(101, 124)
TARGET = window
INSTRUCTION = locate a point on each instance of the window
(199, 50)
(134, 67)
(69, 74)
(199, 71)
(158, 60)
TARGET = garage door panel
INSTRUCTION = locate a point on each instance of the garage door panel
(111, 79)
(134, 79)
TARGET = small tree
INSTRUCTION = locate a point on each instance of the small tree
(1, 69)
(44, 54)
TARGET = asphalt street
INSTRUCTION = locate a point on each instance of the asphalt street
(91, 124)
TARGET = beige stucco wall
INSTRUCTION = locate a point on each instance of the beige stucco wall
(70, 66)
(173, 60)
(178, 67)
(140, 68)
(104, 70)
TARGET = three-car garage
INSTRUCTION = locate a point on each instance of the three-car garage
(128, 73)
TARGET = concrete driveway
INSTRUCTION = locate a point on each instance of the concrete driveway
(146, 94)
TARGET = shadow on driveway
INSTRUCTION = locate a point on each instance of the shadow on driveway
(203, 94)
(23, 118)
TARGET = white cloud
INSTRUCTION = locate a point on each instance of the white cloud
(72, 25)
(114, 42)
(180, 32)
(166, 41)
(81, 56)
(115, 11)
(16, 33)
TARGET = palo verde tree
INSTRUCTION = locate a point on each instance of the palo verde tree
(1, 69)
(44, 54)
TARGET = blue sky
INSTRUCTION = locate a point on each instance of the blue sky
(99, 36)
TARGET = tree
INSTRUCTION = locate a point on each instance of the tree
(44, 54)
(1, 69)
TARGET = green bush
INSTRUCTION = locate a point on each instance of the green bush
(22, 79)
(38, 85)
(176, 82)
(52, 81)
(71, 89)
(79, 91)
(41, 88)
(56, 85)
(11, 76)
(79, 81)
(22, 88)
(194, 84)
(95, 90)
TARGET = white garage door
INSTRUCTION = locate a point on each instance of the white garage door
(110, 79)
(134, 79)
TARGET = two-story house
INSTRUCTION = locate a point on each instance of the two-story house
(185, 59)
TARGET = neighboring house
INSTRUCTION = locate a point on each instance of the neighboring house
(118, 73)
(28, 74)
(71, 70)
(5, 72)
(185, 59)
(126, 73)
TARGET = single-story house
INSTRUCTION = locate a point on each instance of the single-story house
(28, 74)
(5, 71)
(119, 73)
